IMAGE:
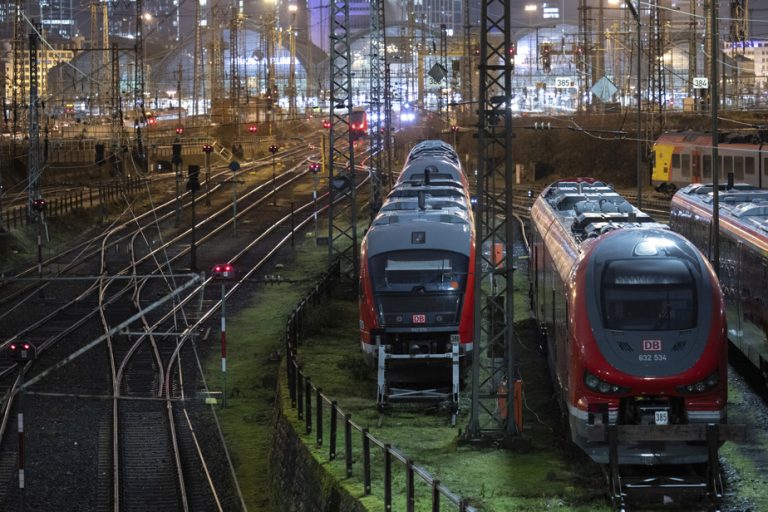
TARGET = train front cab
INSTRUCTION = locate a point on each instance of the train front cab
(653, 350)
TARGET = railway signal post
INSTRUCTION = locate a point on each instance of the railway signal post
(273, 149)
(234, 167)
(22, 353)
(314, 167)
(223, 272)
(207, 149)
(193, 185)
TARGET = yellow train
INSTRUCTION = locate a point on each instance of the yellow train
(682, 158)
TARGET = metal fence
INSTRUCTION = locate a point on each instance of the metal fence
(333, 425)
(64, 204)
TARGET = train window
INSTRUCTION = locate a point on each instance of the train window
(685, 166)
(749, 166)
(648, 295)
(707, 167)
(727, 165)
(427, 271)
(675, 161)
(738, 168)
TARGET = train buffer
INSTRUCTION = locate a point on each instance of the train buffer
(397, 383)
(661, 484)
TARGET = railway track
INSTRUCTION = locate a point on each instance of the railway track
(151, 398)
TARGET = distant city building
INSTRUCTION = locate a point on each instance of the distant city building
(47, 59)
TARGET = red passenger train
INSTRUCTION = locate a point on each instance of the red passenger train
(743, 257)
(416, 272)
(632, 318)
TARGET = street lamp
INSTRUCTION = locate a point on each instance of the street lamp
(223, 272)
(273, 149)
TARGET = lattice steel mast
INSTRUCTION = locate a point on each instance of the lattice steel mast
(138, 88)
(378, 50)
(342, 213)
(494, 335)
(33, 161)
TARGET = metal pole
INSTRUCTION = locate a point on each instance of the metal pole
(234, 204)
(714, 98)
(223, 346)
(274, 187)
(20, 425)
(639, 147)
(177, 219)
(193, 246)
(207, 179)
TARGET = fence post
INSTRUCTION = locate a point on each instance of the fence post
(409, 490)
(300, 392)
(308, 398)
(319, 406)
(291, 367)
(366, 462)
(334, 414)
(435, 495)
(387, 478)
(348, 443)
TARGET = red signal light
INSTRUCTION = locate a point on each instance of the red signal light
(253, 128)
(326, 123)
(273, 148)
(179, 130)
(207, 148)
(12, 346)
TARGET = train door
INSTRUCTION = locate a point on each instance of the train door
(696, 167)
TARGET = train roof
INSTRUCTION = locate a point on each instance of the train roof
(430, 203)
(592, 208)
(436, 230)
(741, 207)
(740, 137)
(439, 168)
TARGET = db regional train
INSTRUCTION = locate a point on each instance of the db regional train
(416, 264)
(682, 158)
(743, 258)
(632, 319)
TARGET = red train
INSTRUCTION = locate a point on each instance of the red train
(416, 276)
(632, 320)
(743, 257)
(358, 123)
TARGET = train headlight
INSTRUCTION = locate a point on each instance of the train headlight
(601, 386)
(701, 386)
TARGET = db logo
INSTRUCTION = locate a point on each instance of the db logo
(651, 345)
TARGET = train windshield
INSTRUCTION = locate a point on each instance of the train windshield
(419, 272)
(656, 294)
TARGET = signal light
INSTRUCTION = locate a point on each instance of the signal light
(223, 271)
(39, 204)
(314, 167)
(454, 128)
(207, 148)
(179, 130)
(273, 148)
(253, 128)
(22, 351)
(513, 49)
(326, 123)
(152, 121)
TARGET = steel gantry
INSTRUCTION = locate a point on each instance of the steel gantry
(138, 88)
(33, 161)
(378, 62)
(493, 363)
(342, 212)
(18, 66)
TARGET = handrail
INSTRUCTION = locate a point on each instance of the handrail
(301, 390)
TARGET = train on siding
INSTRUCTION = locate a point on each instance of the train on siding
(416, 274)
(743, 258)
(682, 158)
(358, 123)
(632, 321)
